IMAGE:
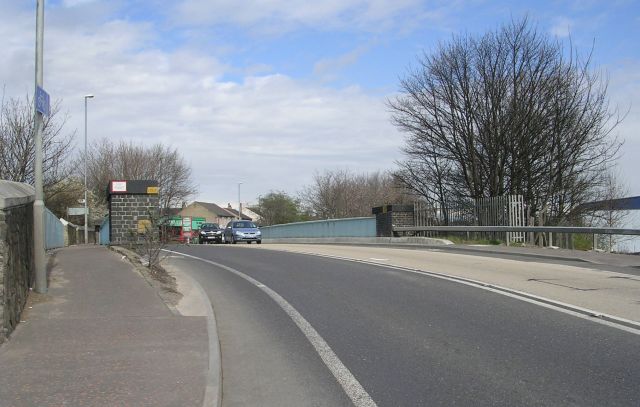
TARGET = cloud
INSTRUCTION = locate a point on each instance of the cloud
(562, 27)
(624, 94)
(286, 15)
(326, 68)
(267, 130)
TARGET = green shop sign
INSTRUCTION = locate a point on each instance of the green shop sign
(197, 222)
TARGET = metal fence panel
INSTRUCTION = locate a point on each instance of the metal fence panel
(53, 230)
(104, 231)
(350, 227)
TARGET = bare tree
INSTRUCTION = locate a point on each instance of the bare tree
(17, 147)
(342, 194)
(607, 213)
(509, 112)
(107, 161)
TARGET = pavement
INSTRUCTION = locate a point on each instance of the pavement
(102, 336)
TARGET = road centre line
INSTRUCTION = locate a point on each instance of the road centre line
(343, 375)
(583, 313)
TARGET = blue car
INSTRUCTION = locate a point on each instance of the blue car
(241, 231)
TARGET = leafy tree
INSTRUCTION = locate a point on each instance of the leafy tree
(277, 208)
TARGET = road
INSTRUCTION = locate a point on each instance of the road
(407, 339)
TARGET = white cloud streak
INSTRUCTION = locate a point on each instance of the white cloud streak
(284, 15)
(269, 131)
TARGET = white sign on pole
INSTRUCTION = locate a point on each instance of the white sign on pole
(75, 211)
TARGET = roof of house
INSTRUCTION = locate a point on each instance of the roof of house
(220, 211)
(235, 214)
(213, 208)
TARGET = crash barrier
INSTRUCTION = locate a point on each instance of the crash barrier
(349, 227)
(531, 231)
(53, 231)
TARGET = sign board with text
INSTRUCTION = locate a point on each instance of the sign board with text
(75, 211)
(42, 101)
(186, 224)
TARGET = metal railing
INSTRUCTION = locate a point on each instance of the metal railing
(534, 229)
(531, 231)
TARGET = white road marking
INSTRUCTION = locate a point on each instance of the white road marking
(345, 378)
(580, 312)
(374, 259)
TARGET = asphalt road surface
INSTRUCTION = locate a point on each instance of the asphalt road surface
(407, 339)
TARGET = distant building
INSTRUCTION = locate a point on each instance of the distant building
(211, 212)
(247, 214)
(246, 210)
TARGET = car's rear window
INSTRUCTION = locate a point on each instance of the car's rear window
(244, 225)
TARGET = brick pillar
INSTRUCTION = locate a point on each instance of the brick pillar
(131, 204)
(388, 216)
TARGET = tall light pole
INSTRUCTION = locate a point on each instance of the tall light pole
(239, 203)
(38, 204)
(86, 213)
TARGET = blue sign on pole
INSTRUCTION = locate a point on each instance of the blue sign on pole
(42, 101)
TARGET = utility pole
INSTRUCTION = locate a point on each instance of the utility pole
(239, 203)
(38, 204)
(86, 212)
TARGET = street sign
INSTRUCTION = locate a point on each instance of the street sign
(42, 101)
(75, 211)
(186, 224)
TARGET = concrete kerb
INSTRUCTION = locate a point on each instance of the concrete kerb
(213, 389)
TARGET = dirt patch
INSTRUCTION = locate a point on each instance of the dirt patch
(157, 277)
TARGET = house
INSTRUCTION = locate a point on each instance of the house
(246, 210)
(211, 213)
(245, 214)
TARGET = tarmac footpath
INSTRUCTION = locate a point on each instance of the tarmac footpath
(102, 336)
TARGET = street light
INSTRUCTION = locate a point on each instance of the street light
(39, 258)
(239, 203)
(86, 217)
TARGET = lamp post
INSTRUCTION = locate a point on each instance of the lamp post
(86, 214)
(239, 203)
(38, 204)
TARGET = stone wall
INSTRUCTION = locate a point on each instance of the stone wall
(126, 211)
(16, 252)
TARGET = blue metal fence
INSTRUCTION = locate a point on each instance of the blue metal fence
(104, 231)
(53, 230)
(350, 227)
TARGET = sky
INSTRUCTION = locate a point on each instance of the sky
(270, 92)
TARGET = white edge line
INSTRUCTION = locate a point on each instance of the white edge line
(576, 311)
(345, 378)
